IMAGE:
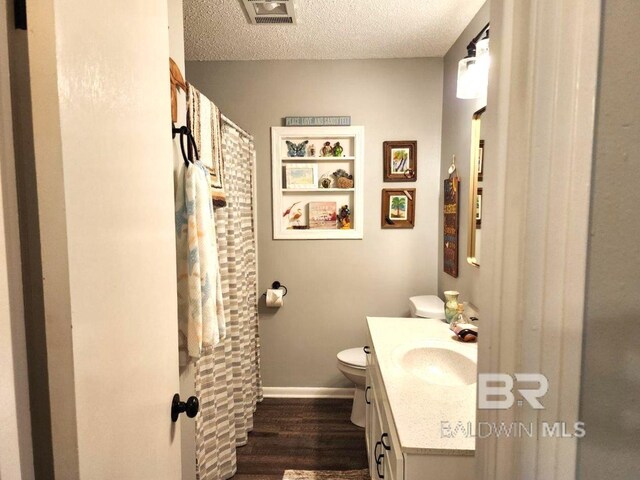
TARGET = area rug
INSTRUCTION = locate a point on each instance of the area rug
(326, 475)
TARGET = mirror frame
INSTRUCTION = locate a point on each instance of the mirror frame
(473, 186)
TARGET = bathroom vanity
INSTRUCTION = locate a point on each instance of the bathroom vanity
(420, 401)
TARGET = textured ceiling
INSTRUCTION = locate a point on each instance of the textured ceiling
(327, 29)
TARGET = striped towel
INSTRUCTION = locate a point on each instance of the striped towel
(203, 118)
(201, 319)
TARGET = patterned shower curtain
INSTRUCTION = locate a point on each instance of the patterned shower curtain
(228, 382)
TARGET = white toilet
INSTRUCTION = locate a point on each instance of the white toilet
(353, 361)
(353, 364)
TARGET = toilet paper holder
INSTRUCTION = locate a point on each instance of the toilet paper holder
(276, 286)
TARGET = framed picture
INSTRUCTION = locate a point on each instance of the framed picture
(400, 161)
(398, 208)
(479, 208)
(323, 215)
(301, 175)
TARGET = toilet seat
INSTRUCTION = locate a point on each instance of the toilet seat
(353, 357)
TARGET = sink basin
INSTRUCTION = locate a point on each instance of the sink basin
(438, 364)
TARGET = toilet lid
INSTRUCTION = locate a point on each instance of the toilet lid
(353, 356)
(428, 306)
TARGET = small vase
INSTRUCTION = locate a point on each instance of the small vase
(451, 305)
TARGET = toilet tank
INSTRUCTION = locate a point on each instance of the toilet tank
(427, 306)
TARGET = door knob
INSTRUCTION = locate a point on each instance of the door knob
(191, 407)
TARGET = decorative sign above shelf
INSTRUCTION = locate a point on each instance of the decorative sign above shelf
(317, 121)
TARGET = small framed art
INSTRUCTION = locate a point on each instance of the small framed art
(398, 208)
(400, 161)
(322, 215)
(301, 176)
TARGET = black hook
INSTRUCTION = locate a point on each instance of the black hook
(184, 130)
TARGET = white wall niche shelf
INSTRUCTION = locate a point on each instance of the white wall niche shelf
(298, 199)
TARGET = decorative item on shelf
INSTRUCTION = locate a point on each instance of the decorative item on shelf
(344, 217)
(344, 182)
(294, 216)
(400, 161)
(322, 215)
(344, 179)
(337, 150)
(451, 304)
(327, 180)
(301, 175)
(327, 150)
(398, 208)
(288, 210)
(297, 149)
(312, 150)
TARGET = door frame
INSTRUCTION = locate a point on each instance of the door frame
(540, 122)
(16, 455)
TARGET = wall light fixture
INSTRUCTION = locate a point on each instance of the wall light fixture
(473, 70)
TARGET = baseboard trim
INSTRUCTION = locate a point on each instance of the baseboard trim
(307, 392)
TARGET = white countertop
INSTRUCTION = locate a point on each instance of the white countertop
(419, 408)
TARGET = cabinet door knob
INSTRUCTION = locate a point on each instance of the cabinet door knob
(367, 349)
(366, 397)
(386, 447)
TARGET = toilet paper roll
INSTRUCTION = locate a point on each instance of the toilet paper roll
(274, 297)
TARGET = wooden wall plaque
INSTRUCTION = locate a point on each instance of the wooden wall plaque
(450, 250)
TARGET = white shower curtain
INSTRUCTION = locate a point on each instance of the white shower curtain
(228, 382)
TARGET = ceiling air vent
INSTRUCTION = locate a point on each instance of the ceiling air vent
(261, 12)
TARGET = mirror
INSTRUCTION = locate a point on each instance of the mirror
(476, 175)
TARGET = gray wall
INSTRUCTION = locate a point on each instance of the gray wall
(334, 284)
(456, 140)
(611, 379)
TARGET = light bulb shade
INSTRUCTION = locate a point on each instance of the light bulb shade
(482, 48)
(473, 73)
(467, 79)
(483, 62)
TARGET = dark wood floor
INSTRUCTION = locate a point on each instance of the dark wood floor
(301, 434)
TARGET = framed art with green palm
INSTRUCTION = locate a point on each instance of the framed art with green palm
(398, 208)
(400, 161)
